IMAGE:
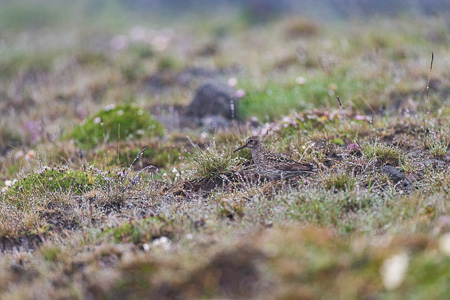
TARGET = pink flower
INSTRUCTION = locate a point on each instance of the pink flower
(362, 118)
(240, 93)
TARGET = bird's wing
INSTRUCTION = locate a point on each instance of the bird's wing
(284, 163)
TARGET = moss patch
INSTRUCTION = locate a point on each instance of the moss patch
(124, 122)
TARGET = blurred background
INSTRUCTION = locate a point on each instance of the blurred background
(33, 14)
(63, 61)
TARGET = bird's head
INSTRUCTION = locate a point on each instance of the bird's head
(251, 142)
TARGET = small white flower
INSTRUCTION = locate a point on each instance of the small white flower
(174, 170)
(8, 183)
(232, 81)
(444, 243)
(140, 132)
(50, 179)
(189, 236)
(120, 112)
(110, 107)
(162, 242)
(146, 247)
(300, 80)
(393, 270)
(97, 120)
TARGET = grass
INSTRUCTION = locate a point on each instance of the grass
(110, 189)
(212, 162)
(437, 144)
(317, 91)
(340, 182)
(382, 152)
(123, 122)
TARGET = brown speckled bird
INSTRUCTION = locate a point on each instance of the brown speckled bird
(274, 165)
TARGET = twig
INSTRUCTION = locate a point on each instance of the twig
(137, 157)
(350, 123)
(149, 167)
(428, 85)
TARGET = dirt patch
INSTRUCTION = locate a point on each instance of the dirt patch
(24, 243)
(60, 217)
(232, 274)
(231, 181)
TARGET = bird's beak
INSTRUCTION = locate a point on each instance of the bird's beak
(242, 147)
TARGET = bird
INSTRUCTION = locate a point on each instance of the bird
(275, 165)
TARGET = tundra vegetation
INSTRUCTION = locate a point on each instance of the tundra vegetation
(112, 189)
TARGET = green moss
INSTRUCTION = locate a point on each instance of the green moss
(124, 122)
(51, 180)
(338, 141)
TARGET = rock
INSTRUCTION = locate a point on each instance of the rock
(394, 174)
(214, 98)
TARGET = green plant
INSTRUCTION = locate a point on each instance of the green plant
(124, 122)
(212, 162)
(340, 181)
(438, 146)
(382, 152)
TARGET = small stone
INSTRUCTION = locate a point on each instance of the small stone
(394, 174)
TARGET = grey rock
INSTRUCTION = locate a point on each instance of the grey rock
(213, 98)
(394, 174)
